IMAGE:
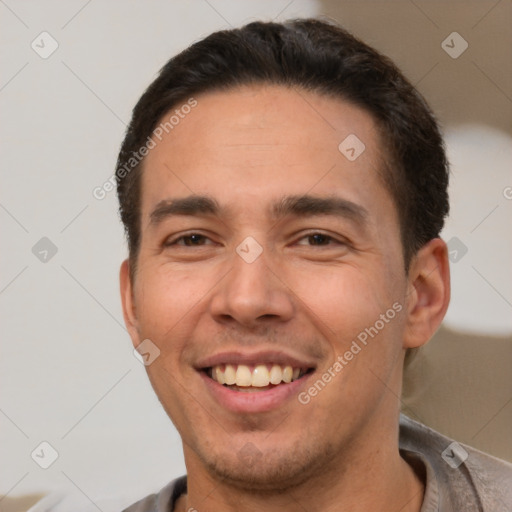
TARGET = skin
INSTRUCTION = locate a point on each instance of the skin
(307, 296)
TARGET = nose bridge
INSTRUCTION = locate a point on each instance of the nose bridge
(251, 290)
(252, 279)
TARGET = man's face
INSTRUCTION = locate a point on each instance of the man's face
(265, 245)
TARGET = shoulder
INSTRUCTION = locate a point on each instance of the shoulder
(158, 502)
(164, 500)
(467, 474)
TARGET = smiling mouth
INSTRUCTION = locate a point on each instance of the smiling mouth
(254, 378)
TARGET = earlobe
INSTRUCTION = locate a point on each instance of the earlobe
(429, 293)
(129, 311)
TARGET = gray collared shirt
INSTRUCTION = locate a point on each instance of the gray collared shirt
(458, 478)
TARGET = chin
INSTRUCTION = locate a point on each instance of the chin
(273, 471)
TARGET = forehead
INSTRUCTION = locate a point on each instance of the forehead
(269, 115)
(260, 142)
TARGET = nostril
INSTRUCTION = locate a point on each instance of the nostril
(268, 316)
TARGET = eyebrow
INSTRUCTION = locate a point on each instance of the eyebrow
(295, 205)
(307, 205)
(190, 205)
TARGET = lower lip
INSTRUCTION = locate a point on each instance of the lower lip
(253, 401)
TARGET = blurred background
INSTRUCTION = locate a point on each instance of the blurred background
(70, 74)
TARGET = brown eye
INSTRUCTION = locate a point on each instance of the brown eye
(319, 239)
(192, 240)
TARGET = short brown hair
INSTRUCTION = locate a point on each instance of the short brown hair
(316, 56)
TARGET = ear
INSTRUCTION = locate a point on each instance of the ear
(129, 312)
(428, 293)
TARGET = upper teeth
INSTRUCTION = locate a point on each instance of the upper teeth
(258, 376)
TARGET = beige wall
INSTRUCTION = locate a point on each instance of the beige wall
(474, 88)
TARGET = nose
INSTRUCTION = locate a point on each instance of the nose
(252, 295)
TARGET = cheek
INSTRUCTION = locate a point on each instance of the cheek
(343, 300)
(346, 304)
(166, 301)
(363, 322)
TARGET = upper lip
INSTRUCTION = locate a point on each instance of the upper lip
(254, 358)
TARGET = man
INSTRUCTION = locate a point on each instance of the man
(283, 188)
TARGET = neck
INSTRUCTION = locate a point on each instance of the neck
(372, 476)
